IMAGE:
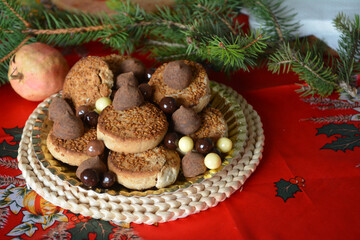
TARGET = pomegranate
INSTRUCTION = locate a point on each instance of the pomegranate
(36, 71)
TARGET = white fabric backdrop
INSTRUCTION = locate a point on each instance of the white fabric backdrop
(316, 17)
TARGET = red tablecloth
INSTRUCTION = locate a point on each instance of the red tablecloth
(327, 206)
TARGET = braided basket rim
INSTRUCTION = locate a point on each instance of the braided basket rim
(145, 209)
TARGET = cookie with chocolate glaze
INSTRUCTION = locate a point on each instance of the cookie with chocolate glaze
(195, 95)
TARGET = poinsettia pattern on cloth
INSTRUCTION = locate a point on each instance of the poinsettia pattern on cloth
(33, 213)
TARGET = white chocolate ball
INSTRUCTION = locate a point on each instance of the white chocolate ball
(186, 144)
(102, 103)
(212, 161)
(224, 144)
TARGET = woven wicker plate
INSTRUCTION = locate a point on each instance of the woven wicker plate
(226, 103)
(150, 209)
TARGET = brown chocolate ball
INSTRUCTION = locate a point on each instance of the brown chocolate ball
(95, 148)
(177, 75)
(147, 91)
(193, 164)
(82, 110)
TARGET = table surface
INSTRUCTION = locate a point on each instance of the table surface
(300, 141)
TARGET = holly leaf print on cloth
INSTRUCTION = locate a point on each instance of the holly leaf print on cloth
(15, 132)
(10, 150)
(286, 189)
(82, 229)
(349, 136)
(343, 129)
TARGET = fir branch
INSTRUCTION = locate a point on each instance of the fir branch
(226, 22)
(23, 42)
(348, 63)
(240, 53)
(67, 30)
(15, 12)
(310, 68)
(200, 30)
(161, 43)
(277, 21)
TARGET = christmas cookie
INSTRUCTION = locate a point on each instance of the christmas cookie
(132, 130)
(213, 125)
(157, 167)
(125, 64)
(71, 151)
(186, 81)
(88, 80)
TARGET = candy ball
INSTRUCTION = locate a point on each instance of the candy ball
(102, 103)
(171, 140)
(90, 177)
(224, 144)
(212, 161)
(95, 148)
(186, 144)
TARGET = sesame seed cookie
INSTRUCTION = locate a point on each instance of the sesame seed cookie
(196, 95)
(88, 80)
(213, 125)
(157, 167)
(133, 130)
(73, 151)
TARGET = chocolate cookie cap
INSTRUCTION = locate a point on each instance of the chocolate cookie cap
(186, 121)
(133, 65)
(193, 164)
(57, 109)
(177, 75)
(127, 97)
(68, 127)
(126, 79)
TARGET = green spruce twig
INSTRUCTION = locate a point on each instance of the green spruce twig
(277, 20)
(348, 64)
(310, 68)
(201, 30)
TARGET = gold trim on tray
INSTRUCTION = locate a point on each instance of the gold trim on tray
(221, 99)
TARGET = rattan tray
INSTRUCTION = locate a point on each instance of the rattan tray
(145, 209)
